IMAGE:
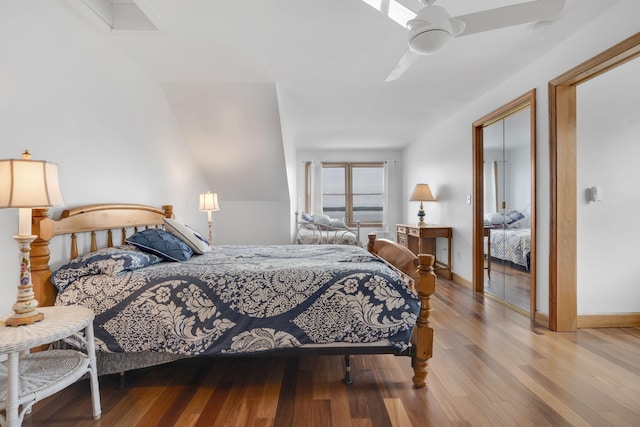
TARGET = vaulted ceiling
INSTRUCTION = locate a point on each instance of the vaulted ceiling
(326, 63)
(329, 58)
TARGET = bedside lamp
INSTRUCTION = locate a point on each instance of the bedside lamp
(27, 184)
(422, 193)
(209, 203)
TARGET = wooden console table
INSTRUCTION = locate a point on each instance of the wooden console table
(422, 240)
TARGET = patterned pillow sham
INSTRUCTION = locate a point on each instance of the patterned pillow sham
(513, 216)
(161, 243)
(191, 237)
(108, 261)
(498, 218)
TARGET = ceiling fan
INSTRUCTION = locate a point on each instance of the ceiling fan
(431, 27)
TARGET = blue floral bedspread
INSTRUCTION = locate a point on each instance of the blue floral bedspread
(241, 299)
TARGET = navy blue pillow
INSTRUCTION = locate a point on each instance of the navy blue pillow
(161, 243)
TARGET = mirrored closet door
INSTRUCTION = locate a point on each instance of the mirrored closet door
(504, 154)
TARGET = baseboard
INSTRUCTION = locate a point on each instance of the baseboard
(622, 320)
(541, 319)
(614, 320)
(459, 280)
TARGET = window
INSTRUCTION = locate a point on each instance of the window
(353, 191)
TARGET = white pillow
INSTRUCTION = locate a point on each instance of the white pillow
(338, 223)
(188, 235)
(322, 219)
(496, 218)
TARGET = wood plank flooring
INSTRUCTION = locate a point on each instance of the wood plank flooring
(510, 284)
(490, 367)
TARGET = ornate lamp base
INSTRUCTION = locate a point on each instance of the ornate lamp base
(24, 319)
(25, 312)
(421, 216)
(210, 223)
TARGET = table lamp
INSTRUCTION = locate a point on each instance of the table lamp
(422, 193)
(209, 203)
(26, 184)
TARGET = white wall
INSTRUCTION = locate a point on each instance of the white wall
(442, 156)
(70, 97)
(608, 150)
(516, 177)
(234, 133)
(519, 164)
(290, 158)
(252, 223)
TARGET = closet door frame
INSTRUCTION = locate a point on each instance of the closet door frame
(527, 99)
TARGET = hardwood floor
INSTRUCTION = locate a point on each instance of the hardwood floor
(490, 367)
(510, 284)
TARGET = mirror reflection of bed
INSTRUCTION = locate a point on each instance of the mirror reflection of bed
(507, 209)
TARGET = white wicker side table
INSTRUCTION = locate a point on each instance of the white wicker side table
(26, 378)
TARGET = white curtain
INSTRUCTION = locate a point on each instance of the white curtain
(391, 194)
(490, 197)
(316, 187)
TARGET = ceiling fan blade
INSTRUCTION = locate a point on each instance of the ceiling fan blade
(507, 16)
(403, 65)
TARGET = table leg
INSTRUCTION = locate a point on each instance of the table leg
(449, 255)
(93, 372)
(487, 234)
(13, 419)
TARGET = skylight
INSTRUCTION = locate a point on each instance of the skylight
(119, 15)
(393, 10)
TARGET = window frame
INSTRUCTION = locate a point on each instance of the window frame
(348, 169)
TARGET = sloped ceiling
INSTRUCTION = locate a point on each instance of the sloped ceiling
(234, 134)
(222, 61)
(329, 60)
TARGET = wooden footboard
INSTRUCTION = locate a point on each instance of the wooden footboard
(419, 269)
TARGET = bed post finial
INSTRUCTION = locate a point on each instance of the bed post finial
(168, 211)
(372, 239)
(423, 336)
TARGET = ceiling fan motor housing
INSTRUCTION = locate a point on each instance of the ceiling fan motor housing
(432, 29)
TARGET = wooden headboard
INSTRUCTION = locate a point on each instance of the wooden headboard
(84, 219)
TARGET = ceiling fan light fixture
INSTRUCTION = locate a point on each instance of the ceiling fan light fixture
(430, 41)
(432, 29)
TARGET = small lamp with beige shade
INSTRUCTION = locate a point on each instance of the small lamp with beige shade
(26, 184)
(209, 203)
(422, 193)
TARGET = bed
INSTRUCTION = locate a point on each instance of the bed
(321, 229)
(375, 301)
(512, 245)
(509, 237)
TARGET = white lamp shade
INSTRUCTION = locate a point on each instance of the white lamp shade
(29, 184)
(209, 201)
(422, 193)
